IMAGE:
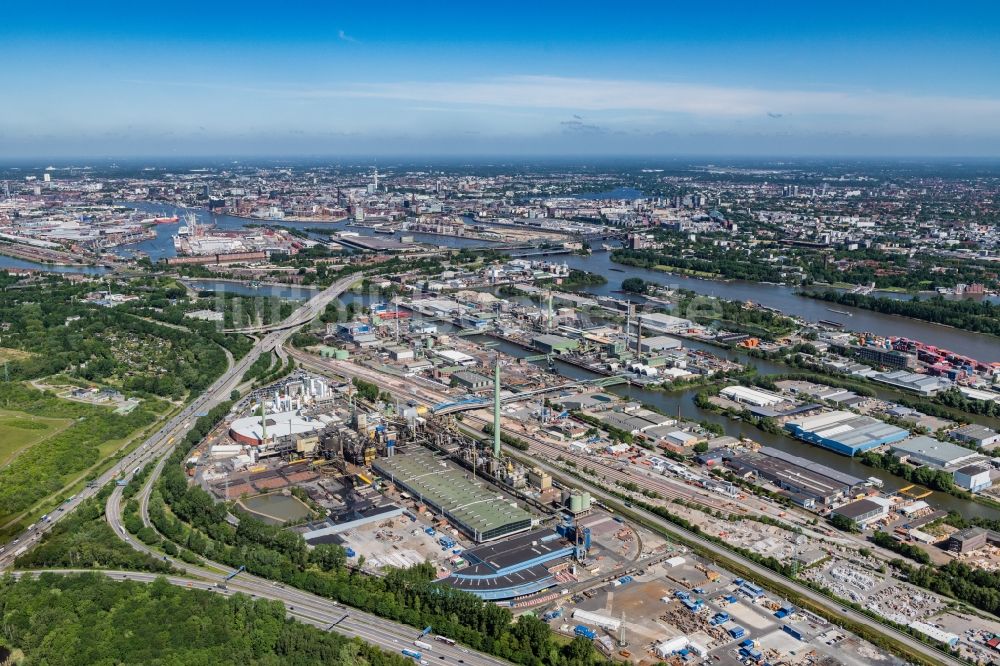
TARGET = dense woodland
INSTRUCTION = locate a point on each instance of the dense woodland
(57, 459)
(86, 619)
(118, 346)
(709, 260)
(189, 517)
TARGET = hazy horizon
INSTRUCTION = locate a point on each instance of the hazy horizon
(248, 79)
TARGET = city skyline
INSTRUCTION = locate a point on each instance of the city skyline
(111, 80)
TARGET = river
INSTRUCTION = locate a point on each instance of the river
(681, 403)
(782, 297)
(163, 245)
(14, 262)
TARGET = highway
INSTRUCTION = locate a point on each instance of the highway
(326, 615)
(303, 605)
(177, 426)
(407, 390)
(317, 609)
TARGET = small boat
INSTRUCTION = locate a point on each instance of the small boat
(841, 312)
(616, 270)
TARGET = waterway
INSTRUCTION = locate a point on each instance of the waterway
(977, 345)
(288, 292)
(163, 245)
(14, 262)
(681, 404)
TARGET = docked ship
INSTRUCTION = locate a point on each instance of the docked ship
(184, 232)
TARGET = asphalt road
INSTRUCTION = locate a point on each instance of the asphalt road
(406, 389)
(318, 612)
(178, 425)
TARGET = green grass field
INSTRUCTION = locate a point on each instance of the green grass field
(8, 354)
(19, 431)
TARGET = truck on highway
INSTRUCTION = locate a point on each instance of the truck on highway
(422, 645)
(412, 653)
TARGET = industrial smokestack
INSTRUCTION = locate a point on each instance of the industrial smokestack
(496, 409)
(638, 337)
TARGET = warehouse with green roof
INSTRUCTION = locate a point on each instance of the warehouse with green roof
(476, 509)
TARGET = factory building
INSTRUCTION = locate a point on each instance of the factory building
(864, 511)
(470, 381)
(554, 344)
(972, 539)
(912, 381)
(973, 477)
(925, 450)
(664, 323)
(845, 432)
(524, 564)
(659, 343)
(481, 513)
(809, 483)
(257, 431)
(751, 396)
(977, 435)
(639, 421)
(455, 357)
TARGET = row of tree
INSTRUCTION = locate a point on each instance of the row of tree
(970, 315)
(87, 619)
(411, 596)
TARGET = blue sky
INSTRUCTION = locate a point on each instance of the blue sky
(663, 78)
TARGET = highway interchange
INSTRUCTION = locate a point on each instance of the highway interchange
(303, 606)
(323, 612)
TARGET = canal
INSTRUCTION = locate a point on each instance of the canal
(681, 404)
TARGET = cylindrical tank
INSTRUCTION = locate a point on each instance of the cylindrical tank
(585, 501)
(576, 502)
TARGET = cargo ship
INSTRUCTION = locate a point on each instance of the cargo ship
(841, 312)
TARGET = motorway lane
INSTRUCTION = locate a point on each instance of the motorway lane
(371, 627)
(177, 425)
(763, 573)
(321, 611)
(376, 631)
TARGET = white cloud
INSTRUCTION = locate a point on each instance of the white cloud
(895, 112)
(344, 37)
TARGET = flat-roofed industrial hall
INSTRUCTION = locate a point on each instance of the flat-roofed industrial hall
(475, 508)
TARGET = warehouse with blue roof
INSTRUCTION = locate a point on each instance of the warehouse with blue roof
(518, 566)
(845, 433)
